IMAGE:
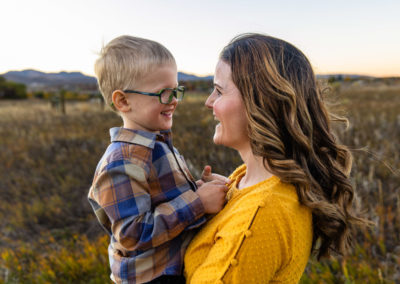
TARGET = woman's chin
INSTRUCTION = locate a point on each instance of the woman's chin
(216, 139)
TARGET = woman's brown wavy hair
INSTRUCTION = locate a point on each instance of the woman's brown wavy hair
(289, 126)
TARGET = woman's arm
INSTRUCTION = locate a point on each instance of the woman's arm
(274, 245)
(244, 251)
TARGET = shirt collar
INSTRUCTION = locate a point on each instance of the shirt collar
(139, 137)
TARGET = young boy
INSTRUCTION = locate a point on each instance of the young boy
(143, 193)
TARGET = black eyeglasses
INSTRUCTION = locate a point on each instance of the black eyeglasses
(164, 95)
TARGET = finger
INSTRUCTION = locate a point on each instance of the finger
(199, 182)
(206, 174)
(217, 182)
(224, 188)
(221, 178)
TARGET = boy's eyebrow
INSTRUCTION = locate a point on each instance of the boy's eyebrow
(176, 86)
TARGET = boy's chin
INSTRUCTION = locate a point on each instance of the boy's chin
(165, 128)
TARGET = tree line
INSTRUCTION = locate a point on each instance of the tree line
(12, 90)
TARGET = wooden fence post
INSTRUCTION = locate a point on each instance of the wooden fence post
(62, 101)
(101, 102)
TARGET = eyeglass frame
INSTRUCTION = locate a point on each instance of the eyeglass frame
(173, 94)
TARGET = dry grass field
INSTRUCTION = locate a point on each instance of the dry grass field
(49, 233)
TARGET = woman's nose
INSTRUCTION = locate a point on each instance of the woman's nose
(210, 101)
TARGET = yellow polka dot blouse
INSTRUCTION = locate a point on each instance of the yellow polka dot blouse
(262, 235)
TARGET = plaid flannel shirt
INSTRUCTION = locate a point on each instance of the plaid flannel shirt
(143, 195)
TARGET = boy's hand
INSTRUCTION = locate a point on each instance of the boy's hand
(212, 195)
(207, 176)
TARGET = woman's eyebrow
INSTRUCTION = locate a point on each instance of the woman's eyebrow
(216, 85)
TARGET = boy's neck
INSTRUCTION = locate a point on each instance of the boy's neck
(133, 126)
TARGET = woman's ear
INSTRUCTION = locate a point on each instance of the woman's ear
(120, 102)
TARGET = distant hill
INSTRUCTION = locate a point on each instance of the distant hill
(32, 76)
(36, 80)
(189, 77)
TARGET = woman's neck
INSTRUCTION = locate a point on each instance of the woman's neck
(255, 172)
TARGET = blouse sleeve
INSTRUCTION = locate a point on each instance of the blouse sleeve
(248, 254)
(265, 248)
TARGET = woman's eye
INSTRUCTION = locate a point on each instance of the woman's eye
(216, 91)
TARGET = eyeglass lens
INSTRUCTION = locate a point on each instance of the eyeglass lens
(168, 94)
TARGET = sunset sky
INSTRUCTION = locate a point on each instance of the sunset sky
(351, 37)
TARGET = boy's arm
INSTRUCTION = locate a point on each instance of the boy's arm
(121, 191)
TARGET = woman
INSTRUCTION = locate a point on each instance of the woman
(293, 193)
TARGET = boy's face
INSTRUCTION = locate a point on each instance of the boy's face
(147, 113)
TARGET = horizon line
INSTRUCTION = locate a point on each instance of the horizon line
(210, 74)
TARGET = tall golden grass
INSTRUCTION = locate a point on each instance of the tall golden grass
(50, 235)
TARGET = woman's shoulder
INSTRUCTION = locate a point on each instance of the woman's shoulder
(282, 192)
(271, 188)
(283, 200)
(275, 201)
(270, 196)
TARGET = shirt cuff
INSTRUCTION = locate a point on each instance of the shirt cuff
(197, 208)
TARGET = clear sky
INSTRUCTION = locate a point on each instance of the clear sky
(353, 36)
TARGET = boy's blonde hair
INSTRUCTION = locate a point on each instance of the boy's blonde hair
(125, 60)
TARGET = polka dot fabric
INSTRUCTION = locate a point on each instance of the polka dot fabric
(262, 235)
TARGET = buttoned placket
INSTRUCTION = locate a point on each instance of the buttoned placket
(168, 141)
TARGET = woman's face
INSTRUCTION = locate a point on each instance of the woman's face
(228, 108)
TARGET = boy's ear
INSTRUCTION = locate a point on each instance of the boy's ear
(120, 102)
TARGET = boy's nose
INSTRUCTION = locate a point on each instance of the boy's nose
(174, 101)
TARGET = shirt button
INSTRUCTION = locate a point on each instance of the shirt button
(248, 233)
(261, 204)
(234, 262)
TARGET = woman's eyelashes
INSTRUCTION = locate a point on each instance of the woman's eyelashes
(216, 91)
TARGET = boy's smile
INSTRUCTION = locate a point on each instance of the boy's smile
(168, 113)
(146, 112)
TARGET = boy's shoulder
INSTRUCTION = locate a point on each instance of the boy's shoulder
(135, 146)
(133, 136)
